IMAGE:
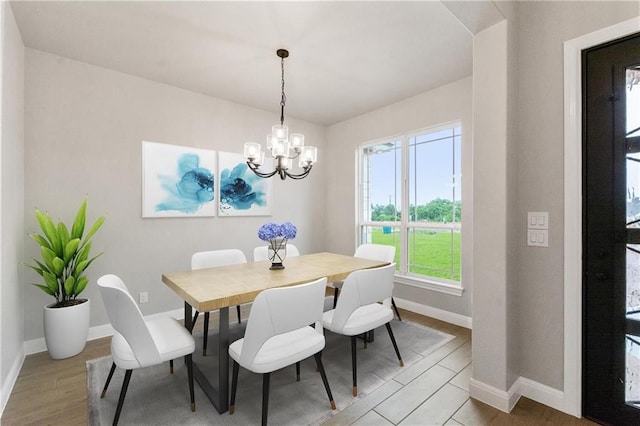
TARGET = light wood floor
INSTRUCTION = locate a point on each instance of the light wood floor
(50, 392)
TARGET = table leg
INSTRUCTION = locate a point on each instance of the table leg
(223, 360)
(219, 397)
(188, 319)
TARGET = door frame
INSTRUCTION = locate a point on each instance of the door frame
(572, 395)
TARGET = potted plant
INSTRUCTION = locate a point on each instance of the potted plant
(65, 258)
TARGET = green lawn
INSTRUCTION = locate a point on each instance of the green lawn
(432, 253)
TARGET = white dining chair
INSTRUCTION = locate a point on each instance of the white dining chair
(379, 252)
(261, 252)
(211, 259)
(358, 310)
(279, 334)
(138, 343)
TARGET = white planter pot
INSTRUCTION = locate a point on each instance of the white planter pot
(66, 329)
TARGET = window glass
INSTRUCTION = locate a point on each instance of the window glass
(419, 174)
(382, 182)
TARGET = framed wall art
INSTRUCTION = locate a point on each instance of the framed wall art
(178, 181)
(240, 191)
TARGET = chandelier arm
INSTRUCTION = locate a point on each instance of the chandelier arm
(294, 157)
(301, 175)
(254, 169)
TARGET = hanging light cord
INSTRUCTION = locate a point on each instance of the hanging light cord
(283, 100)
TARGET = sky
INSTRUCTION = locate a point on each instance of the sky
(434, 167)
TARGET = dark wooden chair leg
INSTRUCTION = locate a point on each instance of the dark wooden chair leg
(234, 385)
(395, 308)
(123, 392)
(265, 397)
(298, 371)
(188, 359)
(336, 290)
(171, 366)
(106, 385)
(395, 346)
(318, 358)
(354, 365)
(206, 334)
(239, 316)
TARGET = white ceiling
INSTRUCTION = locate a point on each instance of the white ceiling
(346, 58)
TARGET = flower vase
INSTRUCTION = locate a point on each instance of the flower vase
(277, 252)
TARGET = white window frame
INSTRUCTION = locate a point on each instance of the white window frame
(403, 276)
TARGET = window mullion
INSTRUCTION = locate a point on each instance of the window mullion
(404, 228)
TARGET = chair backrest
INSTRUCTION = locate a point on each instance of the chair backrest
(379, 252)
(261, 252)
(361, 288)
(213, 258)
(126, 318)
(280, 310)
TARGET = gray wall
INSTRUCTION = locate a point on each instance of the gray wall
(11, 200)
(83, 131)
(543, 28)
(445, 104)
(491, 207)
(521, 289)
(83, 128)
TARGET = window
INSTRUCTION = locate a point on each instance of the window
(410, 197)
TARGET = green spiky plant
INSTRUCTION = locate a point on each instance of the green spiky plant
(65, 256)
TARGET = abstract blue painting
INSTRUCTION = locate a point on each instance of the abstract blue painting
(240, 191)
(178, 181)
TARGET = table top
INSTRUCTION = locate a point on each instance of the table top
(214, 288)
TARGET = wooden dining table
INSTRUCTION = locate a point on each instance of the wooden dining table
(219, 288)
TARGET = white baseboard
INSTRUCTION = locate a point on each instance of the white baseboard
(97, 332)
(543, 394)
(10, 381)
(505, 401)
(502, 400)
(429, 311)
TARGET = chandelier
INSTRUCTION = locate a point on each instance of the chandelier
(283, 147)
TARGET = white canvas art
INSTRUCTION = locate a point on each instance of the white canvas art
(178, 181)
(241, 192)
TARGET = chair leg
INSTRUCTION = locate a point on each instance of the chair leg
(395, 346)
(123, 392)
(318, 358)
(206, 334)
(239, 316)
(336, 290)
(354, 365)
(188, 359)
(106, 385)
(234, 385)
(265, 397)
(395, 308)
(298, 371)
(170, 366)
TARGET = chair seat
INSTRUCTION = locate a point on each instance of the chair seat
(282, 350)
(171, 338)
(363, 319)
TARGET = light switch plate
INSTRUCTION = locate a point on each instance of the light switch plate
(538, 238)
(538, 220)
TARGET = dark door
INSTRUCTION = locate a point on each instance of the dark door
(611, 233)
